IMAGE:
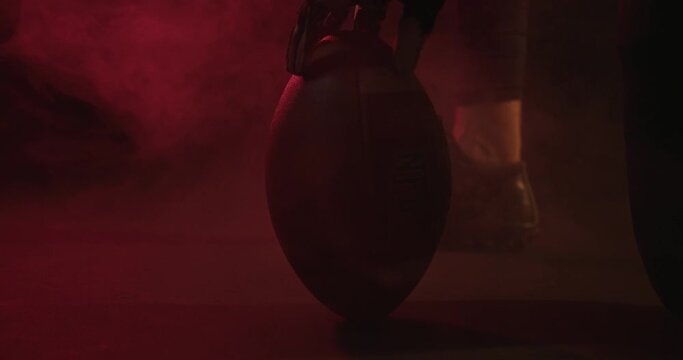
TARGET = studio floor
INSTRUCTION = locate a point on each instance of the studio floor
(193, 271)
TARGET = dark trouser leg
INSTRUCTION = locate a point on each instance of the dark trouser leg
(493, 207)
(491, 41)
(654, 143)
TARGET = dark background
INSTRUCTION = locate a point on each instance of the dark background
(173, 255)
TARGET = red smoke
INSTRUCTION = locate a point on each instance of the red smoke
(191, 72)
(188, 70)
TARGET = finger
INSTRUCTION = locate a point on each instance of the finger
(335, 20)
(416, 24)
(369, 15)
(337, 4)
(317, 18)
(424, 12)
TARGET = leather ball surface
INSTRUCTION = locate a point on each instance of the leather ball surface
(358, 177)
